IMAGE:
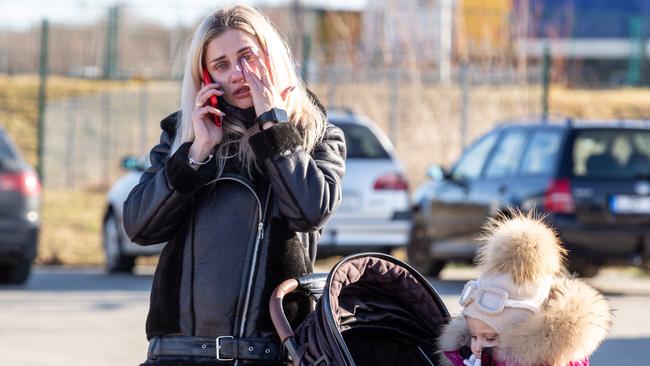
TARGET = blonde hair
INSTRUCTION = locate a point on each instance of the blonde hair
(302, 111)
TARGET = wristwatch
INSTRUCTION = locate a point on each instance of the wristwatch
(276, 115)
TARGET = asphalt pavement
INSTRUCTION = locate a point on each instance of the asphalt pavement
(72, 316)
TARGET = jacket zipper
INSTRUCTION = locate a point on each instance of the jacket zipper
(259, 236)
(253, 272)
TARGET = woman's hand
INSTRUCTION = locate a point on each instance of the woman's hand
(262, 82)
(206, 134)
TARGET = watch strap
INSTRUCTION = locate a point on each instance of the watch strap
(276, 115)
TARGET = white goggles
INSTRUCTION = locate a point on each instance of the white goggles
(492, 300)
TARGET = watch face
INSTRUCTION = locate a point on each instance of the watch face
(280, 115)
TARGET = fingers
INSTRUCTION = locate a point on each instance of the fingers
(286, 92)
(267, 72)
(269, 65)
(204, 94)
(251, 77)
(210, 86)
(262, 72)
(265, 75)
(204, 111)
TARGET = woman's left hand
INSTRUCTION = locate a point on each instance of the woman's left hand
(262, 82)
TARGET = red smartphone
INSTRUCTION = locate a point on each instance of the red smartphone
(212, 101)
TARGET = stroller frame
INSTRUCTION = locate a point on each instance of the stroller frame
(317, 285)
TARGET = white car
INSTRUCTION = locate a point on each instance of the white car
(373, 216)
(374, 213)
(119, 250)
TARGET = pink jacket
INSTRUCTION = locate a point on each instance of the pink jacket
(570, 326)
(457, 360)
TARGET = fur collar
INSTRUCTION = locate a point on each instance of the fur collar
(573, 322)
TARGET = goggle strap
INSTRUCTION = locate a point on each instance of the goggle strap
(522, 305)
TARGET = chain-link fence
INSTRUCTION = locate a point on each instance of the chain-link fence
(428, 114)
(87, 136)
(429, 109)
(427, 121)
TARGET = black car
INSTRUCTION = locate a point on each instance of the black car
(20, 192)
(590, 179)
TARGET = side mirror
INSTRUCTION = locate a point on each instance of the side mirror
(437, 173)
(132, 163)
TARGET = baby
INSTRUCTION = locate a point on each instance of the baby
(523, 309)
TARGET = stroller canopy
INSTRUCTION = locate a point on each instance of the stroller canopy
(375, 310)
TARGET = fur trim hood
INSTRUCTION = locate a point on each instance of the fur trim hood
(521, 246)
(572, 323)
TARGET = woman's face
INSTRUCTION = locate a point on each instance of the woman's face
(223, 60)
(482, 336)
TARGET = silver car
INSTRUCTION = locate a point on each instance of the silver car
(119, 250)
(373, 215)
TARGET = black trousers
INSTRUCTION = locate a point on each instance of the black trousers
(200, 361)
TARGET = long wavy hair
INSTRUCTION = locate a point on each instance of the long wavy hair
(301, 109)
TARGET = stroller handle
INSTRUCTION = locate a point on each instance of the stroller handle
(311, 284)
(277, 312)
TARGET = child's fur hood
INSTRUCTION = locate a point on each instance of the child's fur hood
(522, 246)
(573, 321)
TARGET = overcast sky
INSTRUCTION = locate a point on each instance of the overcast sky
(25, 13)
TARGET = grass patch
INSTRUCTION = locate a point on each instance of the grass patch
(627, 103)
(19, 103)
(71, 220)
(71, 228)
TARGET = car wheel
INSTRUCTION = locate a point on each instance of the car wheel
(16, 273)
(436, 267)
(116, 260)
(582, 268)
(418, 252)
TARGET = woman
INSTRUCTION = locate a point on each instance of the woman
(241, 206)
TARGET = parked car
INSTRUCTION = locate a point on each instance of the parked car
(20, 199)
(591, 179)
(119, 250)
(374, 214)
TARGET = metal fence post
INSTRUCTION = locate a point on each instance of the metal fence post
(42, 96)
(143, 104)
(393, 103)
(105, 139)
(464, 104)
(332, 83)
(634, 71)
(110, 59)
(546, 81)
(71, 162)
(306, 54)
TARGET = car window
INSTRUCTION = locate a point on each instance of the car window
(6, 152)
(362, 143)
(506, 155)
(607, 153)
(470, 164)
(542, 154)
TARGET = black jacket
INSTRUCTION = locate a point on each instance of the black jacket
(258, 240)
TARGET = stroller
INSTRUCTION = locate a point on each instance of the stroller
(371, 309)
